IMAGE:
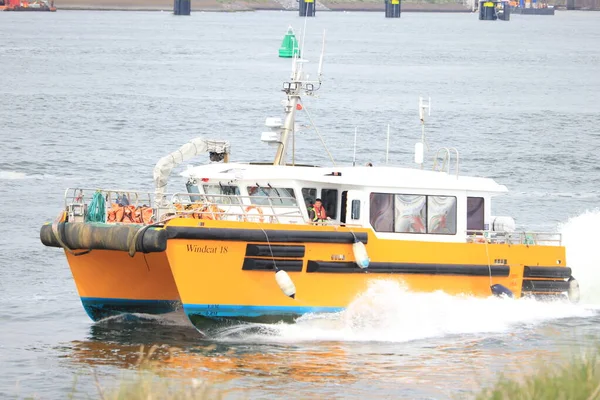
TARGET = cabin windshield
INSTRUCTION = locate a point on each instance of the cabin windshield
(268, 195)
(226, 194)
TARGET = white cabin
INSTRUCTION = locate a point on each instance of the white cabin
(398, 203)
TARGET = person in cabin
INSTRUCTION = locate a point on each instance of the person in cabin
(317, 213)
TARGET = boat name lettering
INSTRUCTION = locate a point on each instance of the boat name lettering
(194, 248)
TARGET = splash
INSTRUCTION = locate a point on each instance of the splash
(15, 175)
(12, 175)
(175, 318)
(580, 237)
(388, 312)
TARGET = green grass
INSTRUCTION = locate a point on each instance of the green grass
(145, 382)
(578, 379)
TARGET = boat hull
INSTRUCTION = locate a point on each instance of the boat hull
(111, 282)
(27, 9)
(532, 11)
(225, 270)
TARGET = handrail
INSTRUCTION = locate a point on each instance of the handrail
(446, 159)
(78, 197)
(528, 238)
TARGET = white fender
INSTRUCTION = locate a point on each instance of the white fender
(285, 283)
(360, 254)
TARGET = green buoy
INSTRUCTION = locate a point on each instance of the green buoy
(289, 45)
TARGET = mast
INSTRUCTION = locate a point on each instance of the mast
(298, 85)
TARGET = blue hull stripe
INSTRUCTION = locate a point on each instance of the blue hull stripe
(109, 300)
(98, 308)
(233, 311)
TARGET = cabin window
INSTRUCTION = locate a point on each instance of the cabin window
(224, 194)
(410, 213)
(382, 212)
(309, 195)
(329, 197)
(475, 213)
(407, 213)
(268, 195)
(441, 215)
(355, 210)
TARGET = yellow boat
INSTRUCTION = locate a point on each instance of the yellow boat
(243, 243)
(112, 277)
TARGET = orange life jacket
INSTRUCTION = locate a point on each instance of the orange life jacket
(320, 213)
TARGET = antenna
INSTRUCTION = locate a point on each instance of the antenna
(354, 158)
(419, 147)
(303, 34)
(299, 85)
(387, 149)
(320, 72)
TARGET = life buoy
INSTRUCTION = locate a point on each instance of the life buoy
(261, 217)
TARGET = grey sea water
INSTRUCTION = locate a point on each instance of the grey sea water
(96, 98)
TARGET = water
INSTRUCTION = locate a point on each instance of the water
(96, 98)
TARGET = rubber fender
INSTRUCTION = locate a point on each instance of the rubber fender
(86, 236)
(499, 290)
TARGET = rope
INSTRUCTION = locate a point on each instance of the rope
(270, 249)
(487, 255)
(96, 210)
(142, 230)
(133, 242)
(319, 134)
(56, 234)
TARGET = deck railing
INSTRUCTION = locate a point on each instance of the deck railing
(529, 238)
(137, 205)
(208, 206)
(134, 197)
(269, 209)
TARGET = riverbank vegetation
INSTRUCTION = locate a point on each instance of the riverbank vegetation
(145, 382)
(576, 379)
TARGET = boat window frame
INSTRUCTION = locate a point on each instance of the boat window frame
(426, 217)
(268, 199)
(455, 215)
(355, 209)
(230, 199)
(330, 205)
(482, 207)
(309, 199)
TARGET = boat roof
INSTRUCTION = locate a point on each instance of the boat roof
(357, 176)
